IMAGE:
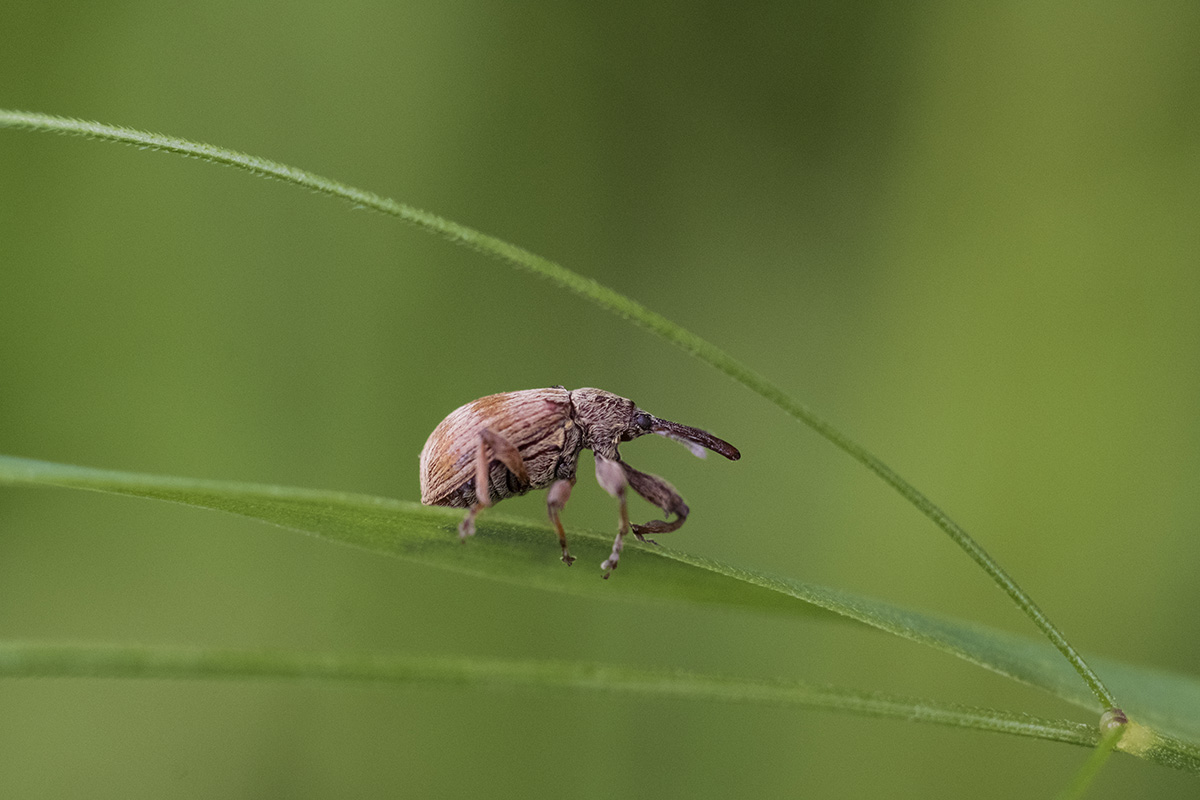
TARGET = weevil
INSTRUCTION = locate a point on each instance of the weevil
(515, 442)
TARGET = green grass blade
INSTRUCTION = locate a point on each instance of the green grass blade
(518, 552)
(605, 298)
(39, 660)
(504, 549)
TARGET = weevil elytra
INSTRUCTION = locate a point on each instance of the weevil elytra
(516, 442)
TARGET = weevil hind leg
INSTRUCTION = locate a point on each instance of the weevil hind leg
(612, 479)
(556, 500)
(491, 445)
(503, 451)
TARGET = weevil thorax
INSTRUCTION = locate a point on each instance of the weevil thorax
(605, 420)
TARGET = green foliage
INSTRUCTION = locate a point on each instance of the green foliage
(517, 552)
(1164, 708)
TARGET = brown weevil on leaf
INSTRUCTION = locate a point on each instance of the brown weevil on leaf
(515, 442)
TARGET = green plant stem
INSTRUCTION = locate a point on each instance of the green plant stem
(1091, 768)
(30, 659)
(605, 298)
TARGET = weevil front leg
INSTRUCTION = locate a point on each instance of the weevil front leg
(491, 445)
(612, 479)
(661, 494)
(556, 500)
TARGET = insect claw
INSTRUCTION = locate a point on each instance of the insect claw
(608, 566)
(636, 530)
(467, 526)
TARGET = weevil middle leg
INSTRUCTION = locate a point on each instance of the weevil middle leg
(507, 454)
(612, 479)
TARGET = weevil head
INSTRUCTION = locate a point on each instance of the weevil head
(608, 419)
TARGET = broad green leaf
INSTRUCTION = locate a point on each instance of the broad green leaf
(1167, 706)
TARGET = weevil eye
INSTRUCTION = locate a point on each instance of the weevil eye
(643, 421)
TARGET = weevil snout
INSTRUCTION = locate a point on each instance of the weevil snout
(693, 439)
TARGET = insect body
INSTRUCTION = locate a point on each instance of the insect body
(515, 442)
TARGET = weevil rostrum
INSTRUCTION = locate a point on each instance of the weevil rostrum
(515, 442)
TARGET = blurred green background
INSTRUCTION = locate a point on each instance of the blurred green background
(967, 235)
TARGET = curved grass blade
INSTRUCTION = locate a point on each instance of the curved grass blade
(518, 552)
(605, 298)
